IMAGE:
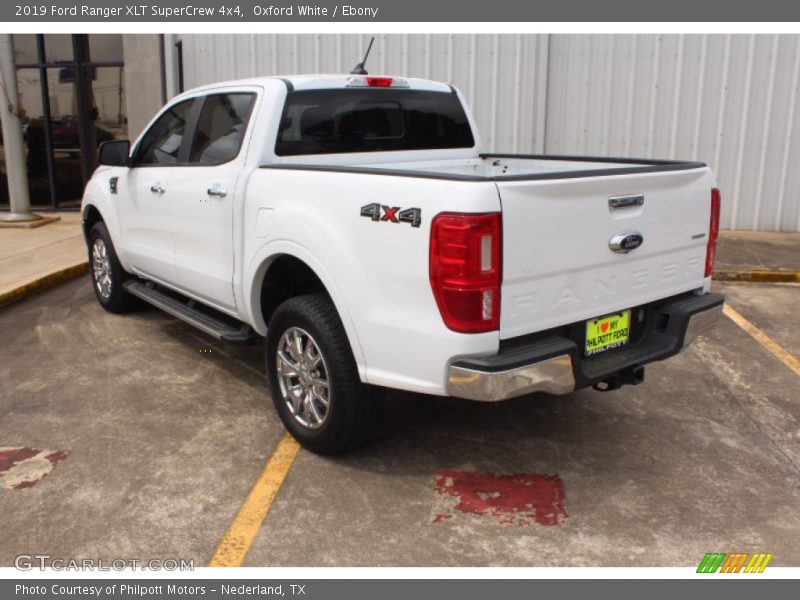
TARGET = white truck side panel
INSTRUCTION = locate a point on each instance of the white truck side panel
(97, 195)
(376, 272)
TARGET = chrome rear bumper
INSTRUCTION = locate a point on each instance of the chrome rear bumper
(555, 364)
(700, 322)
(553, 375)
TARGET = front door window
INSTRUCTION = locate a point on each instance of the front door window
(162, 143)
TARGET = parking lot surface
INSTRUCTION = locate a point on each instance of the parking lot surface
(149, 436)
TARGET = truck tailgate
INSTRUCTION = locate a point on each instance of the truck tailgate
(558, 267)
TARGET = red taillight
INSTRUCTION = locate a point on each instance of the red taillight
(379, 81)
(713, 231)
(465, 264)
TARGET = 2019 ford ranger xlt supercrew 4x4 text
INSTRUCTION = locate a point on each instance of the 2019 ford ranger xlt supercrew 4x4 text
(354, 223)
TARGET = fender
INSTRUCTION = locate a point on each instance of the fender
(255, 272)
(97, 197)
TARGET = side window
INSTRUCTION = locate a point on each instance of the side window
(221, 127)
(162, 142)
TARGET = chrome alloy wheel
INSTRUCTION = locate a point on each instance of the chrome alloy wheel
(303, 378)
(101, 268)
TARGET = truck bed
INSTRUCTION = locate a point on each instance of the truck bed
(504, 167)
(559, 215)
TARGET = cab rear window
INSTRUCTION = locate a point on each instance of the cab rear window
(371, 120)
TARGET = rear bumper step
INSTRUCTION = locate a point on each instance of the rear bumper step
(556, 365)
(219, 327)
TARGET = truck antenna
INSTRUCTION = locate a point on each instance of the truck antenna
(359, 68)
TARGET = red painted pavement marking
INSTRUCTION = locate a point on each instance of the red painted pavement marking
(10, 456)
(519, 498)
(22, 468)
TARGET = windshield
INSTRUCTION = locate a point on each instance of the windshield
(371, 120)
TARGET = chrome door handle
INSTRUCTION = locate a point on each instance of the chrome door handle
(157, 189)
(217, 191)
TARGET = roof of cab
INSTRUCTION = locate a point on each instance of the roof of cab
(318, 82)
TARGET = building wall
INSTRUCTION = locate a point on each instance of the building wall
(728, 100)
(144, 93)
(503, 76)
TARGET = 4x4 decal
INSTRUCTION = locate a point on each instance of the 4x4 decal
(392, 214)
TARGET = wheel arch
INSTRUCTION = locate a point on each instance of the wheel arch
(297, 272)
(91, 216)
(97, 208)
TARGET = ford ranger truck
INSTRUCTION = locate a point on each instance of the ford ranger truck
(354, 223)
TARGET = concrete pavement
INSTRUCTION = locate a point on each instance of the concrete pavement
(763, 257)
(33, 259)
(166, 432)
(758, 250)
(146, 437)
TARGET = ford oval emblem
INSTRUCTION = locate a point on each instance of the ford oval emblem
(623, 243)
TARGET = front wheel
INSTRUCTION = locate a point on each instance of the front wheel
(107, 272)
(313, 377)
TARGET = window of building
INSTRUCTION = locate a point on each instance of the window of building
(72, 98)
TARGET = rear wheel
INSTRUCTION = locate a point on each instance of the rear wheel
(313, 377)
(107, 272)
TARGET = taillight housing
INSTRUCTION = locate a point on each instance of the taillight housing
(713, 231)
(465, 270)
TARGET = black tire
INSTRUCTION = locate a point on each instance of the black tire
(354, 409)
(111, 295)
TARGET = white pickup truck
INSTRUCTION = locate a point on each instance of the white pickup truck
(354, 223)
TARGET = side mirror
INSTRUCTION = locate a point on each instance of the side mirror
(114, 153)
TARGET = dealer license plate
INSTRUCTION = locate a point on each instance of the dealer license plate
(605, 333)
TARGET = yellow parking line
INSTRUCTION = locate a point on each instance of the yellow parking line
(762, 338)
(758, 276)
(236, 542)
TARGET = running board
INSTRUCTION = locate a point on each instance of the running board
(186, 311)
